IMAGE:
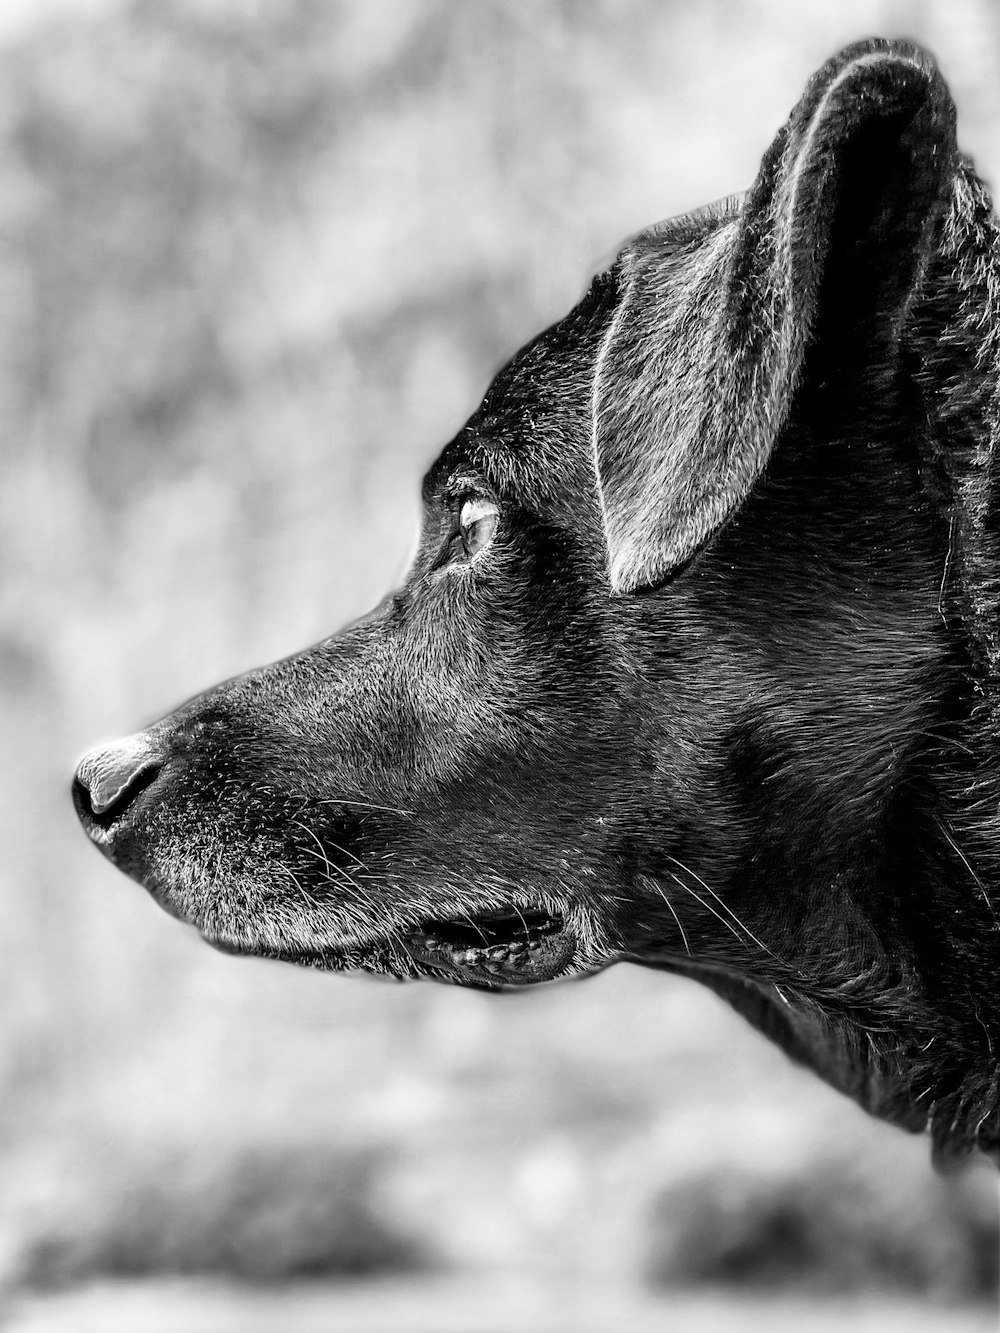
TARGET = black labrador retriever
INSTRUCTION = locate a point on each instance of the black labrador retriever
(697, 664)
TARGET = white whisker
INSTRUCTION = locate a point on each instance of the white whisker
(725, 906)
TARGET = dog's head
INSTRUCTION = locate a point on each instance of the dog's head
(675, 676)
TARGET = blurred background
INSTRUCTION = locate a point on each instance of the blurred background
(258, 261)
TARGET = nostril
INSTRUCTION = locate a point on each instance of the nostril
(109, 780)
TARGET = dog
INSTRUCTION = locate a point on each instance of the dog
(697, 663)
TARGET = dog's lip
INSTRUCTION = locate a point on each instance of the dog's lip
(509, 947)
(371, 959)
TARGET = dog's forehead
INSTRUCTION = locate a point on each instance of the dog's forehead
(530, 436)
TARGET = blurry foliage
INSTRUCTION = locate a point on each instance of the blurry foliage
(257, 264)
(828, 1228)
(271, 1213)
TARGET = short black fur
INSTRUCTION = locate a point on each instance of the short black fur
(720, 696)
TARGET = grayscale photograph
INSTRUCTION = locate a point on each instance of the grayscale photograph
(500, 666)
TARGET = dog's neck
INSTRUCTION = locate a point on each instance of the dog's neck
(951, 347)
(895, 1000)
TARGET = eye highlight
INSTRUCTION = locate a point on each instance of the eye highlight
(477, 522)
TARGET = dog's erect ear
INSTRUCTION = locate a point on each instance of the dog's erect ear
(720, 319)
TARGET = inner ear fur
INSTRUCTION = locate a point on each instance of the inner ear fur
(719, 318)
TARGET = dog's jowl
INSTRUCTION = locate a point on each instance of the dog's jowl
(698, 664)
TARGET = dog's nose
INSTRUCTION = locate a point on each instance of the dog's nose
(110, 779)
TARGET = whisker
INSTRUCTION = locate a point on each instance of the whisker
(708, 908)
(306, 829)
(965, 861)
(336, 846)
(523, 922)
(949, 554)
(725, 906)
(334, 873)
(306, 897)
(338, 872)
(478, 929)
(365, 805)
(670, 908)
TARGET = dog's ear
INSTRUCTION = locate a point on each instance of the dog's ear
(718, 323)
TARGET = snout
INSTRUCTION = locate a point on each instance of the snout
(112, 781)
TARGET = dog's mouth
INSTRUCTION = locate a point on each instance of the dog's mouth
(510, 947)
(507, 947)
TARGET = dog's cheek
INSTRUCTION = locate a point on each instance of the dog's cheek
(470, 667)
(525, 755)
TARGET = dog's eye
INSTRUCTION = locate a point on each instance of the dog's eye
(477, 523)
